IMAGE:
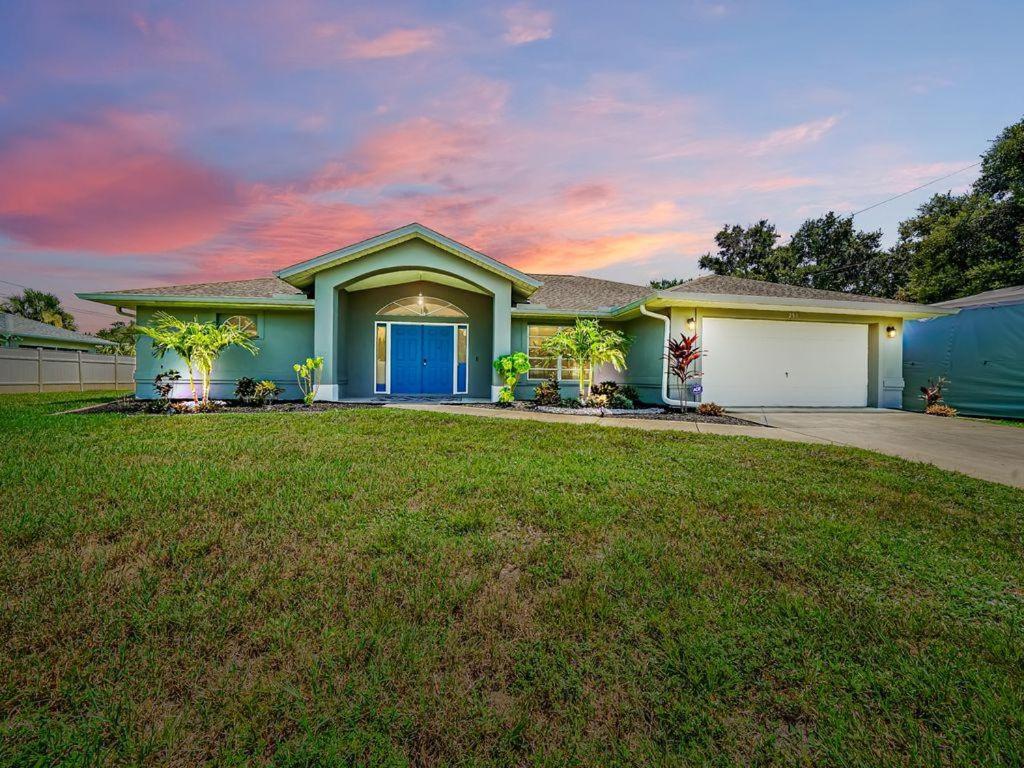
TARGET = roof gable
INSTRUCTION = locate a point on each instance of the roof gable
(301, 274)
(16, 325)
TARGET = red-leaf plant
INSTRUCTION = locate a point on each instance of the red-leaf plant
(683, 353)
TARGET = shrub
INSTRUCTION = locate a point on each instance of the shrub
(245, 389)
(607, 388)
(932, 394)
(266, 392)
(710, 409)
(308, 375)
(619, 400)
(629, 392)
(163, 383)
(595, 401)
(940, 409)
(510, 368)
(547, 392)
(570, 402)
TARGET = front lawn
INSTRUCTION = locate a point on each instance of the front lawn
(397, 587)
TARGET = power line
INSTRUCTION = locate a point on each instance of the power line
(919, 186)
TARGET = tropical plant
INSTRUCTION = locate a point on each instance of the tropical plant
(245, 389)
(40, 306)
(932, 393)
(619, 397)
(163, 383)
(510, 368)
(266, 392)
(940, 409)
(710, 409)
(547, 392)
(587, 344)
(121, 333)
(197, 344)
(308, 374)
(682, 353)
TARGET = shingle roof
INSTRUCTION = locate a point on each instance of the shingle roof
(576, 292)
(259, 288)
(1011, 295)
(741, 286)
(16, 325)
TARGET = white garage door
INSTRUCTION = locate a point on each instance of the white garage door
(771, 362)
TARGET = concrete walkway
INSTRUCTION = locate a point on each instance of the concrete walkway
(988, 451)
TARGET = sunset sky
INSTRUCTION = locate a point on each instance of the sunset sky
(154, 143)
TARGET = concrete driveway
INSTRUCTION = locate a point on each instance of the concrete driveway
(980, 449)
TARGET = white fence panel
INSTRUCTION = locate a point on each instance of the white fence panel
(58, 370)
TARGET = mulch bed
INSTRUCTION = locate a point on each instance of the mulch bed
(131, 406)
(655, 414)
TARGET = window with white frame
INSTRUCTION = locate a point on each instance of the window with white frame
(544, 365)
(247, 324)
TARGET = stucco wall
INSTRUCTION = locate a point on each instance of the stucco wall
(286, 337)
(359, 314)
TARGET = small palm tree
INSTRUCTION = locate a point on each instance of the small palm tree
(588, 344)
(197, 344)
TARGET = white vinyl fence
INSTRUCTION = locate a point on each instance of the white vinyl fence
(58, 370)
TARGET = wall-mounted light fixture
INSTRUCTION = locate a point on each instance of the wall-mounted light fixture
(691, 323)
(890, 331)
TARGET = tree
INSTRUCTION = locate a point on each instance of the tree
(121, 333)
(588, 344)
(661, 285)
(958, 245)
(748, 252)
(197, 344)
(829, 253)
(41, 306)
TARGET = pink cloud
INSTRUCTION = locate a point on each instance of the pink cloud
(393, 44)
(795, 136)
(114, 185)
(525, 24)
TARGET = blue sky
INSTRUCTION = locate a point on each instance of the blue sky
(149, 143)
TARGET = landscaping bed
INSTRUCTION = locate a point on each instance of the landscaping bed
(658, 414)
(130, 405)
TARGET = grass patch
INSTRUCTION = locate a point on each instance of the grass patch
(397, 587)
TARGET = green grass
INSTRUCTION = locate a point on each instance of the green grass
(388, 587)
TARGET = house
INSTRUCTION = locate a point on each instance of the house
(18, 331)
(980, 350)
(414, 313)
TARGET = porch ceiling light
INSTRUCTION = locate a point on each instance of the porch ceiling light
(890, 331)
(691, 323)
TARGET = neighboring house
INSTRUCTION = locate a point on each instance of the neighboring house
(414, 313)
(18, 331)
(980, 350)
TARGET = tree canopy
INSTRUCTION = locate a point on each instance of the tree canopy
(40, 306)
(121, 333)
(955, 245)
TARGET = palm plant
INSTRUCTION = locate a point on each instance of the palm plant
(587, 344)
(197, 344)
(41, 306)
(683, 353)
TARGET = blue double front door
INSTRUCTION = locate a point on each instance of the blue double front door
(422, 359)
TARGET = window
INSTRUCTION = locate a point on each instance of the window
(543, 365)
(380, 358)
(461, 359)
(245, 323)
(421, 306)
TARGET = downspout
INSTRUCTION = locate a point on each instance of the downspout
(124, 313)
(664, 357)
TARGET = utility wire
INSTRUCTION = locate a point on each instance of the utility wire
(919, 186)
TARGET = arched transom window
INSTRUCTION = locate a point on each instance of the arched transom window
(421, 306)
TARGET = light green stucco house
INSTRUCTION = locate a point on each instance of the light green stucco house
(412, 313)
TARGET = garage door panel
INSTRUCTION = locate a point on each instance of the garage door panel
(784, 363)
